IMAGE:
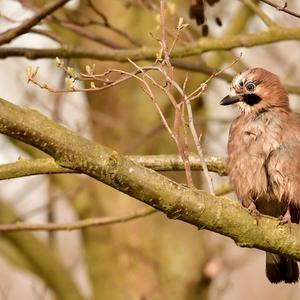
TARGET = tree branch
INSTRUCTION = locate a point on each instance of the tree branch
(167, 162)
(11, 34)
(280, 8)
(89, 34)
(173, 162)
(81, 224)
(272, 35)
(177, 201)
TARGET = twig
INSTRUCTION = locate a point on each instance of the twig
(293, 89)
(198, 145)
(195, 94)
(88, 34)
(92, 222)
(281, 8)
(47, 34)
(259, 12)
(151, 96)
(187, 100)
(177, 118)
(107, 24)
(11, 34)
(31, 76)
(182, 148)
(168, 73)
(163, 40)
(194, 67)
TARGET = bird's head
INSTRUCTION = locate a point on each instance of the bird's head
(256, 89)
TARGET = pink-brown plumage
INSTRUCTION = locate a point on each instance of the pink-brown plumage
(264, 156)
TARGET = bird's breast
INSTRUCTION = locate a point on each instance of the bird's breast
(250, 144)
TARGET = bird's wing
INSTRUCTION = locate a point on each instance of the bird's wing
(283, 169)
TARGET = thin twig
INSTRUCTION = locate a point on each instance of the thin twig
(150, 94)
(282, 8)
(177, 119)
(47, 34)
(198, 145)
(168, 73)
(163, 41)
(193, 129)
(193, 132)
(195, 94)
(182, 148)
(31, 76)
(88, 34)
(82, 224)
(107, 24)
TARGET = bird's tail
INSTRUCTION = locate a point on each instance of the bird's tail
(280, 268)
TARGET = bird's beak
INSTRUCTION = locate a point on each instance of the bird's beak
(230, 100)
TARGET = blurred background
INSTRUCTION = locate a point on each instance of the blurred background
(148, 258)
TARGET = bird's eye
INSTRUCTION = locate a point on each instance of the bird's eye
(250, 87)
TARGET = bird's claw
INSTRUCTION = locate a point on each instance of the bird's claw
(254, 212)
(286, 219)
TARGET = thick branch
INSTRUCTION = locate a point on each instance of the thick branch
(24, 27)
(177, 201)
(171, 162)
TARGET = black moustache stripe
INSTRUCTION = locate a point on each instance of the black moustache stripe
(251, 99)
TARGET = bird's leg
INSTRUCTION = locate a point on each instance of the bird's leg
(253, 211)
(286, 219)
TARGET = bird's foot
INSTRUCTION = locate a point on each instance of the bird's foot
(286, 219)
(254, 212)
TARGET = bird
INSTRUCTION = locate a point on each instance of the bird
(264, 156)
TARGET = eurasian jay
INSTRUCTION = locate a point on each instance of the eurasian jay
(264, 156)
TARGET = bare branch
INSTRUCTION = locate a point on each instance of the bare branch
(81, 224)
(162, 162)
(108, 25)
(11, 34)
(89, 34)
(92, 222)
(47, 34)
(281, 8)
